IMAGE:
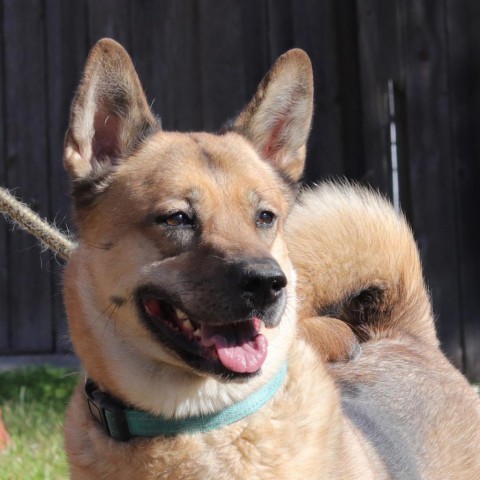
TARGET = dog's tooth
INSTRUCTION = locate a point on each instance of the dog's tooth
(187, 324)
(197, 333)
(181, 315)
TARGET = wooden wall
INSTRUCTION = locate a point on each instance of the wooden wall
(200, 61)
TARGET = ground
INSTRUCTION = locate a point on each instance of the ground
(33, 402)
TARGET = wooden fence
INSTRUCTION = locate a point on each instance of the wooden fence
(397, 106)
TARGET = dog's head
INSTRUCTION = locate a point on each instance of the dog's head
(181, 274)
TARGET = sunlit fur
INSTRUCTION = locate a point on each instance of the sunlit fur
(362, 301)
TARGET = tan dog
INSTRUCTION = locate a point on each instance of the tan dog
(181, 298)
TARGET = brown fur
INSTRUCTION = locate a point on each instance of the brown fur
(358, 271)
(365, 270)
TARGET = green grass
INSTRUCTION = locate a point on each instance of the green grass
(33, 402)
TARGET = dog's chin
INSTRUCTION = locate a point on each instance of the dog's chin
(231, 350)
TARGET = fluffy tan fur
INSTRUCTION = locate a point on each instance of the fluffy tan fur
(360, 244)
(356, 261)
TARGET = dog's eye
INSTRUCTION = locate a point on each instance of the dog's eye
(265, 218)
(178, 219)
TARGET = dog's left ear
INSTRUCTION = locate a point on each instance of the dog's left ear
(277, 120)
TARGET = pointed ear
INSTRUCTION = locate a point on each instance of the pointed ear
(278, 118)
(110, 114)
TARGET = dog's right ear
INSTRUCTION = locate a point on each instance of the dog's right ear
(110, 114)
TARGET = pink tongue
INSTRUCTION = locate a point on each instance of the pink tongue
(242, 352)
(245, 358)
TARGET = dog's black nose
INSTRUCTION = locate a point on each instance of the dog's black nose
(262, 281)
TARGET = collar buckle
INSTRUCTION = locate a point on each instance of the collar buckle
(109, 413)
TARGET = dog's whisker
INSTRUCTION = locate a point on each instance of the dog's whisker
(114, 309)
(106, 246)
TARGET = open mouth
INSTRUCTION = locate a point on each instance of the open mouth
(232, 348)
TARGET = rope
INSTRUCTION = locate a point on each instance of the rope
(23, 216)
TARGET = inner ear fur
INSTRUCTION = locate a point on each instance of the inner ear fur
(110, 114)
(278, 119)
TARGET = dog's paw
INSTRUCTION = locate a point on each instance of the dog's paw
(332, 338)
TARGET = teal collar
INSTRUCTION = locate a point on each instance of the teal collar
(122, 423)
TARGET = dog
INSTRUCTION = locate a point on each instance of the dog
(231, 327)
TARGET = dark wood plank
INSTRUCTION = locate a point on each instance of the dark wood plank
(109, 18)
(256, 49)
(66, 26)
(148, 24)
(27, 171)
(166, 53)
(280, 27)
(380, 59)
(431, 166)
(222, 68)
(4, 280)
(182, 57)
(349, 94)
(314, 32)
(463, 17)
